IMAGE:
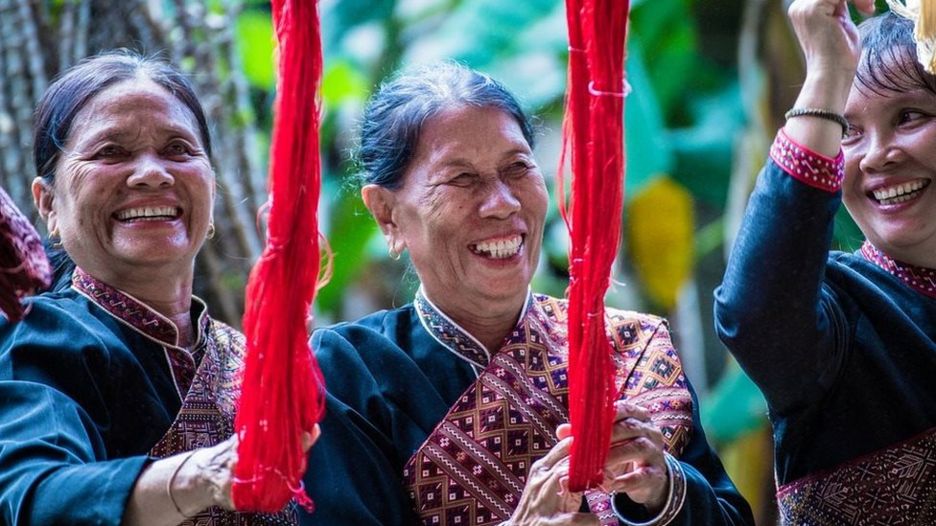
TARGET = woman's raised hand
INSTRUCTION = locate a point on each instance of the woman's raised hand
(636, 466)
(214, 468)
(181, 486)
(830, 42)
(827, 35)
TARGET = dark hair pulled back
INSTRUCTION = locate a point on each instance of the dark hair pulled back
(396, 113)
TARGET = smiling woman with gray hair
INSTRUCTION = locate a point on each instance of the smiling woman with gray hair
(117, 389)
(453, 409)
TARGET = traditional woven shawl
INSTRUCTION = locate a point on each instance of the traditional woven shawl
(23, 264)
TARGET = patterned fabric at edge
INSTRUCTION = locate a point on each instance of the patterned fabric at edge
(843, 346)
(99, 378)
(899, 483)
(472, 468)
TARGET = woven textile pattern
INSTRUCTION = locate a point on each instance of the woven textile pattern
(209, 392)
(894, 486)
(474, 465)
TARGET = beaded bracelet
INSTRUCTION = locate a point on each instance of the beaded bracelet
(821, 114)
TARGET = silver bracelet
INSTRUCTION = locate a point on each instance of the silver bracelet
(674, 501)
(172, 478)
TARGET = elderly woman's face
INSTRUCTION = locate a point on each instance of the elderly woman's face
(133, 184)
(472, 208)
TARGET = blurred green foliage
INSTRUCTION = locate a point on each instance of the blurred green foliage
(255, 35)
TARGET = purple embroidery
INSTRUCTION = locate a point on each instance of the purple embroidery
(448, 334)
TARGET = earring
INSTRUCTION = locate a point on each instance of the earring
(211, 231)
(394, 255)
(55, 239)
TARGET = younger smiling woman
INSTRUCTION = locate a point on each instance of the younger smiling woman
(844, 345)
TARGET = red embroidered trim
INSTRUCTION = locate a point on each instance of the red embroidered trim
(807, 166)
(920, 279)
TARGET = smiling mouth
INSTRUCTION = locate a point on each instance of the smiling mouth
(499, 248)
(899, 193)
(149, 213)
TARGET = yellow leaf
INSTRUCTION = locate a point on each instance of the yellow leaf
(659, 234)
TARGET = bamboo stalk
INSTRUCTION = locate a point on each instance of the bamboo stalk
(12, 35)
(67, 23)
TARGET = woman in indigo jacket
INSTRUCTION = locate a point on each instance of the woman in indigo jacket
(842, 344)
(117, 389)
(453, 409)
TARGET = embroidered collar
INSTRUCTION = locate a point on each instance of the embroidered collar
(136, 314)
(452, 336)
(920, 279)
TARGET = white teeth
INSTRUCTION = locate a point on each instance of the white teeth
(500, 249)
(898, 193)
(147, 212)
(898, 199)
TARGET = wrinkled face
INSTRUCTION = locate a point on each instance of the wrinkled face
(133, 184)
(471, 209)
(890, 164)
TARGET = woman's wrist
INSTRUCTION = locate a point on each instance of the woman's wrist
(655, 506)
(826, 90)
(835, 68)
(672, 504)
(187, 488)
(821, 92)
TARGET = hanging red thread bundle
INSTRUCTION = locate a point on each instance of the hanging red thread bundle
(283, 390)
(593, 134)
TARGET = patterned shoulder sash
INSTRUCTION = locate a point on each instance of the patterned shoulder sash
(895, 486)
(207, 418)
(473, 466)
